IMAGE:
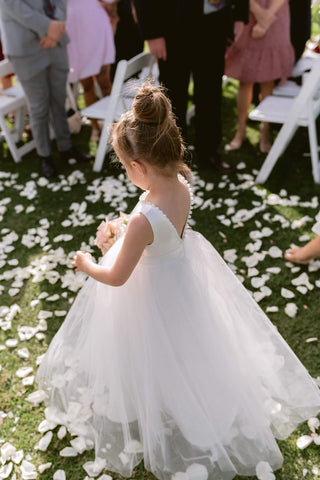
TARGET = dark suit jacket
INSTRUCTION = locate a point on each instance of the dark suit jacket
(175, 17)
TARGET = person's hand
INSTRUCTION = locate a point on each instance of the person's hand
(81, 260)
(157, 47)
(56, 29)
(47, 42)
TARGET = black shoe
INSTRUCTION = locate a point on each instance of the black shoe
(74, 154)
(219, 165)
(48, 169)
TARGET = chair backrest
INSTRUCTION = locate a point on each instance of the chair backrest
(123, 91)
(128, 68)
(305, 97)
(121, 97)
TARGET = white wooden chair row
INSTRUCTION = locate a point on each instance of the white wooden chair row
(108, 109)
(13, 100)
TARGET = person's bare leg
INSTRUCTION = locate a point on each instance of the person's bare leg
(90, 97)
(264, 16)
(265, 142)
(244, 99)
(306, 253)
(6, 82)
(104, 80)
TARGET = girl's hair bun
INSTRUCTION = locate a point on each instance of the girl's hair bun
(151, 106)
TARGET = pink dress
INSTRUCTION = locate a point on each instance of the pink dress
(91, 38)
(264, 59)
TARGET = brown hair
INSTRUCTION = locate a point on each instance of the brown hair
(149, 131)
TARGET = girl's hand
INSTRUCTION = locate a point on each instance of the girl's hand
(81, 260)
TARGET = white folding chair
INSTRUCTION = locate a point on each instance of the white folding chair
(300, 111)
(291, 88)
(13, 100)
(120, 99)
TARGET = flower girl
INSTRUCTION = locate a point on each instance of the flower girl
(164, 356)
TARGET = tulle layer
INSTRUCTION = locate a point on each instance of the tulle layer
(195, 379)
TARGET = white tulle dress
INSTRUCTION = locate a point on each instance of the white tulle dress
(179, 366)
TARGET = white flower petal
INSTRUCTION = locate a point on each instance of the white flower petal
(27, 381)
(257, 282)
(23, 353)
(62, 432)
(303, 279)
(252, 272)
(6, 470)
(275, 252)
(68, 452)
(272, 309)
(59, 475)
(291, 309)
(44, 466)
(36, 397)
(17, 457)
(79, 444)
(93, 469)
(313, 424)
(302, 289)
(312, 339)
(24, 371)
(45, 426)
(264, 471)
(230, 255)
(287, 293)
(7, 451)
(28, 470)
(275, 270)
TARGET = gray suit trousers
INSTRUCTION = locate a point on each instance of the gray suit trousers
(44, 80)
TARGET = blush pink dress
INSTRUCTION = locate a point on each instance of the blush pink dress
(264, 59)
(91, 38)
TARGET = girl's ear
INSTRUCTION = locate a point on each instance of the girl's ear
(139, 166)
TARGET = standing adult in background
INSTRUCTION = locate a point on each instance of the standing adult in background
(261, 53)
(190, 37)
(91, 50)
(128, 38)
(34, 40)
(300, 25)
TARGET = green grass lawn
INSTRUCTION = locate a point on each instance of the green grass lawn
(42, 223)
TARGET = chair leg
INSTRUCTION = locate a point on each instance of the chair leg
(278, 147)
(313, 142)
(270, 161)
(9, 138)
(102, 147)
